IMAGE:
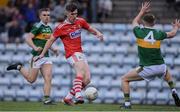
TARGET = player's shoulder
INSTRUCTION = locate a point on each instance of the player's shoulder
(158, 30)
(137, 27)
(38, 25)
(80, 19)
(60, 25)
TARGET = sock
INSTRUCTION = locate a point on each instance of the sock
(172, 86)
(19, 67)
(70, 94)
(127, 99)
(77, 85)
(46, 98)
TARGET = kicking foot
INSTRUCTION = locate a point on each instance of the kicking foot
(16, 66)
(176, 99)
(79, 100)
(68, 102)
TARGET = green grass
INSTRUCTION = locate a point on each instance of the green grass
(38, 106)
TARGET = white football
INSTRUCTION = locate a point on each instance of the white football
(91, 93)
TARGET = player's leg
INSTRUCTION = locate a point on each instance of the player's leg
(79, 63)
(87, 76)
(29, 74)
(71, 94)
(86, 73)
(168, 79)
(77, 84)
(86, 81)
(125, 80)
(46, 70)
(78, 81)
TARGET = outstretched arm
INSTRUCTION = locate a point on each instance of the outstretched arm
(176, 26)
(145, 8)
(97, 33)
(48, 45)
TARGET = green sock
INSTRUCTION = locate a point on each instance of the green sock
(126, 97)
(46, 98)
(171, 84)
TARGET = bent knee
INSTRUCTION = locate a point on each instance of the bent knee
(124, 79)
(31, 81)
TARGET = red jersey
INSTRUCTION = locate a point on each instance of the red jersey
(70, 34)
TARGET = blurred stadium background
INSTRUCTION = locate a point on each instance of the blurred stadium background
(108, 61)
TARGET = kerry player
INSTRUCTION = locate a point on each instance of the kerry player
(151, 61)
(36, 39)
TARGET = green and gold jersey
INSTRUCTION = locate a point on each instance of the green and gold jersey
(42, 34)
(149, 42)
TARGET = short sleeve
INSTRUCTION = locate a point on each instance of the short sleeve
(163, 35)
(137, 31)
(84, 24)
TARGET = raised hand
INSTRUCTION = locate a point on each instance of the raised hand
(176, 23)
(100, 36)
(145, 7)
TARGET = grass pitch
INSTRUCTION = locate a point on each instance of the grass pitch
(38, 106)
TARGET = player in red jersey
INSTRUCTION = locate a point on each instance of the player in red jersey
(70, 33)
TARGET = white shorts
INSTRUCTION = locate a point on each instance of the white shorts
(77, 56)
(40, 62)
(151, 72)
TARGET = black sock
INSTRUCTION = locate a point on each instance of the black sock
(171, 84)
(46, 98)
(126, 97)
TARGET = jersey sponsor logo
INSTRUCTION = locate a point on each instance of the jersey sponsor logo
(75, 34)
(46, 30)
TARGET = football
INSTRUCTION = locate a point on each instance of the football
(91, 93)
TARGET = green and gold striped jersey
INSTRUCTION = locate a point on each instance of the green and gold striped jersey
(42, 33)
(149, 42)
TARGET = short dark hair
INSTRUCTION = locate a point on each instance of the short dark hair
(43, 9)
(149, 18)
(71, 7)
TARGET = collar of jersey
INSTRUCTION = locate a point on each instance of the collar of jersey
(44, 23)
(66, 21)
(148, 27)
